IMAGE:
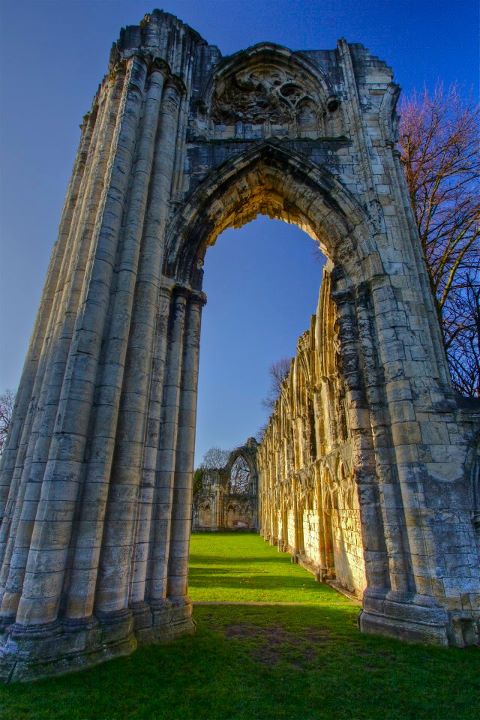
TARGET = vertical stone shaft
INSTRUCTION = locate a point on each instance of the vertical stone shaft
(408, 473)
(54, 352)
(155, 310)
(296, 549)
(399, 575)
(38, 353)
(14, 454)
(167, 449)
(373, 532)
(321, 522)
(51, 536)
(157, 298)
(24, 399)
(119, 538)
(145, 527)
(182, 497)
(94, 498)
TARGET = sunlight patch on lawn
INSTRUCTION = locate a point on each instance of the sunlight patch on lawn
(236, 567)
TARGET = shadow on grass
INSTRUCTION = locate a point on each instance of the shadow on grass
(211, 578)
(307, 662)
(264, 663)
(196, 559)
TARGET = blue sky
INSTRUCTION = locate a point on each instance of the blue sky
(262, 281)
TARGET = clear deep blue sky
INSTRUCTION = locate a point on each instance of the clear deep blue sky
(262, 281)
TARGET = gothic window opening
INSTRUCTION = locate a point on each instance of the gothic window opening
(240, 477)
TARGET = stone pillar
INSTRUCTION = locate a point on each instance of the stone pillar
(295, 550)
(138, 296)
(12, 489)
(51, 535)
(90, 533)
(16, 469)
(400, 580)
(219, 522)
(373, 529)
(182, 496)
(56, 347)
(11, 455)
(145, 528)
(167, 451)
(153, 291)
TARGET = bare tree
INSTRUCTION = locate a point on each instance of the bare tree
(7, 401)
(439, 144)
(278, 371)
(215, 458)
(463, 348)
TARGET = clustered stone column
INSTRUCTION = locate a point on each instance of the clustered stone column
(96, 479)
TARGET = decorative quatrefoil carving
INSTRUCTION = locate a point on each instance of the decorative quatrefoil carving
(266, 93)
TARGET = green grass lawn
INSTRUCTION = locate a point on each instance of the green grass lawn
(242, 567)
(302, 662)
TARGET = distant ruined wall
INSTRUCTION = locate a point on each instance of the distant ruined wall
(308, 497)
(228, 496)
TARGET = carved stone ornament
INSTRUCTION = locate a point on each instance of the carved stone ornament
(267, 93)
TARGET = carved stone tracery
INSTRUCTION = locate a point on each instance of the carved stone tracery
(227, 497)
(267, 93)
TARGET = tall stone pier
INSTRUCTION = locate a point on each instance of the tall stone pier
(96, 482)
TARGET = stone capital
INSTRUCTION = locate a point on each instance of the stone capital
(176, 83)
(197, 297)
(158, 64)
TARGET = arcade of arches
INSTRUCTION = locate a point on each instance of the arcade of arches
(96, 481)
(309, 500)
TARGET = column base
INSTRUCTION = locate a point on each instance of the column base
(416, 619)
(402, 629)
(32, 652)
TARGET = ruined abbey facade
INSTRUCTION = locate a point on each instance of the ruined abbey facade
(309, 496)
(227, 497)
(369, 466)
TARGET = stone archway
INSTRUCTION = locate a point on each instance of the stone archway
(95, 491)
(231, 493)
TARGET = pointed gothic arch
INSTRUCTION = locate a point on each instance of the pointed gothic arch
(272, 180)
(231, 492)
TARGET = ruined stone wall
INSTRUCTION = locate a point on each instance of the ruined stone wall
(228, 496)
(305, 460)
